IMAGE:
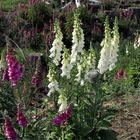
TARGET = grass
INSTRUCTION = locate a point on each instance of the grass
(9, 5)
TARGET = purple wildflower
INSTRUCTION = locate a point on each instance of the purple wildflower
(22, 121)
(14, 69)
(5, 75)
(63, 117)
(36, 80)
(9, 130)
(120, 74)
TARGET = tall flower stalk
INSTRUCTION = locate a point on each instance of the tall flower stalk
(22, 120)
(53, 84)
(77, 40)
(104, 61)
(66, 65)
(55, 51)
(114, 45)
(109, 49)
(87, 63)
(9, 130)
(14, 69)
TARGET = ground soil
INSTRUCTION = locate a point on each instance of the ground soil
(127, 121)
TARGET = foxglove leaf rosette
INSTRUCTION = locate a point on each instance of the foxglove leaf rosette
(55, 51)
(77, 40)
(9, 130)
(63, 103)
(14, 69)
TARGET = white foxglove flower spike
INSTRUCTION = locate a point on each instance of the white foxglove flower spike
(77, 40)
(114, 45)
(66, 65)
(110, 46)
(55, 51)
(104, 62)
(53, 84)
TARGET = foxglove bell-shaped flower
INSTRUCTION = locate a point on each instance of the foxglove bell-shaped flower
(114, 46)
(121, 73)
(87, 63)
(104, 62)
(91, 71)
(77, 2)
(9, 130)
(137, 42)
(66, 65)
(22, 120)
(14, 69)
(55, 51)
(53, 84)
(63, 117)
(77, 40)
(63, 103)
(109, 49)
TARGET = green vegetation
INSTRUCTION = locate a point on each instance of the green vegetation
(8, 5)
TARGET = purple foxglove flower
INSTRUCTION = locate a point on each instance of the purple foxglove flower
(14, 69)
(9, 130)
(63, 117)
(120, 74)
(36, 81)
(22, 121)
(5, 75)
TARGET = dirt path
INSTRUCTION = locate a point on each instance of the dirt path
(127, 121)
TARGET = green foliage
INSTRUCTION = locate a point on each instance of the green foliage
(39, 14)
(10, 5)
(7, 101)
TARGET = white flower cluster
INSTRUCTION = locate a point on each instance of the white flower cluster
(87, 63)
(109, 49)
(55, 51)
(63, 103)
(77, 2)
(53, 84)
(114, 46)
(137, 42)
(79, 76)
(91, 61)
(77, 40)
(66, 65)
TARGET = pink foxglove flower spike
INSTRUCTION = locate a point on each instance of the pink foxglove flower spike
(22, 120)
(9, 130)
(14, 69)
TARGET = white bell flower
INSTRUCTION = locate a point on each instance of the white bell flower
(63, 103)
